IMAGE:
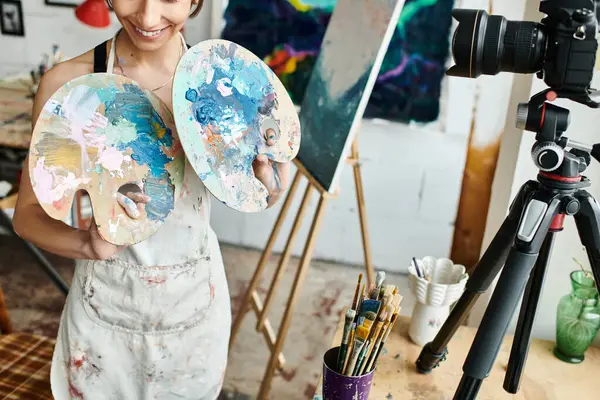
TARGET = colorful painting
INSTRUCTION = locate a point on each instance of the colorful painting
(288, 35)
(97, 133)
(224, 100)
(341, 83)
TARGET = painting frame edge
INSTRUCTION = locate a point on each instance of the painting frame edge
(21, 31)
(217, 17)
(55, 3)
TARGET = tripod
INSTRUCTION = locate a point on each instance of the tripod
(523, 245)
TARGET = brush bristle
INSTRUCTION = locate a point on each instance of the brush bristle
(370, 316)
(350, 314)
(397, 300)
(389, 311)
(362, 332)
(380, 278)
(389, 289)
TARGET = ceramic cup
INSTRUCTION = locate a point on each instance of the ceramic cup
(440, 284)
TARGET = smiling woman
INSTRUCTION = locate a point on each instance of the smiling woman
(152, 319)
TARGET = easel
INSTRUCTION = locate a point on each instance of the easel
(251, 298)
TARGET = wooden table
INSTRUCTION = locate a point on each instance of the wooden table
(545, 376)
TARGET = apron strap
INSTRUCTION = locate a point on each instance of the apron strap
(100, 58)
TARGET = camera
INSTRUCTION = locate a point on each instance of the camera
(561, 49)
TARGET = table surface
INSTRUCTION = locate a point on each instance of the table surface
(545, 376)
(15, 113)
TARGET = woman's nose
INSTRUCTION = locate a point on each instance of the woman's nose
(150, 14)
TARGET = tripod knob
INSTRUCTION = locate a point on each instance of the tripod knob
(547, 156)
(572, 206)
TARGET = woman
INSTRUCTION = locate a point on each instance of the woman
(150, 321)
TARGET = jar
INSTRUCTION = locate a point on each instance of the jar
(577, 318)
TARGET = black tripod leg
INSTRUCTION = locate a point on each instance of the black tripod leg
(482, 277)
(588, 226)
(533, 227)
(529, 305)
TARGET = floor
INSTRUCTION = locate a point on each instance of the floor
(35, 306)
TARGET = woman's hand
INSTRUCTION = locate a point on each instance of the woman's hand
(134, 205)
(275, 176)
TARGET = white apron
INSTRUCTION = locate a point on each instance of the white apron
(154, 321)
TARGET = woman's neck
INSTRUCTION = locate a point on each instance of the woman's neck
(130, 56)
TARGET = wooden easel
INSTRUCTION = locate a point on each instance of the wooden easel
(251, 298)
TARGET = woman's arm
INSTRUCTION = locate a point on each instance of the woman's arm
(30, 221)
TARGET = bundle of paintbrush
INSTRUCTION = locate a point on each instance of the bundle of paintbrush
(367, 326)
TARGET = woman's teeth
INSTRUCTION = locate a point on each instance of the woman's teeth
(148, 34)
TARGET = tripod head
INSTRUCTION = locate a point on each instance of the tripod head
(549, 122)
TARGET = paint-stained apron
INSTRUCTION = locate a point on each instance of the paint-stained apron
(154, 321)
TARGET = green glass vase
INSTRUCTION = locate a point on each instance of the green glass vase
(577, 318)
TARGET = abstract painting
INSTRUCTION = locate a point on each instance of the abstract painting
(288, 35)
(341, 83)
(225, 99)
(97, 133)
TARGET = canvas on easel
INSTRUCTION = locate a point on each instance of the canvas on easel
(353, 48)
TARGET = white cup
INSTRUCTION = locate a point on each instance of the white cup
(440, 284)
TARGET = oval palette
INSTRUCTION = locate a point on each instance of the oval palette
(97, 133)
(224, 100)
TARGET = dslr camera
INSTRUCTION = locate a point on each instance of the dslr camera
(561, 49)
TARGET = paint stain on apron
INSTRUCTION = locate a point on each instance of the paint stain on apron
(152, 322)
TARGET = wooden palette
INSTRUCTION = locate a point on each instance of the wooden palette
(224, 100)
(97, 133)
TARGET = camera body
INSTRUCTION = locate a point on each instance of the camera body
(561, 49)
(572, 29)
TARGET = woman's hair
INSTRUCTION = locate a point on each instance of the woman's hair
(195, 12)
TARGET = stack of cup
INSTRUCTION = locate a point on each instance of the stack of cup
(437, 283)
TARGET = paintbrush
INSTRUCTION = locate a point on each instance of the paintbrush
(369, 320)
(417, 268)
(367, 306)
(350, 348)
(387, 317)
(379, 279)
(359, 341)
(384, 338)
(360, 300)
(396, 302)
(344, 346)
(388, 295)
(356, 292)
(373, 336)
(368, 323)
(361, 359)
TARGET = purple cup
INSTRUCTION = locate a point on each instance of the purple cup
(341, 387)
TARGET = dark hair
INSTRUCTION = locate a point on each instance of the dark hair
(192, 15)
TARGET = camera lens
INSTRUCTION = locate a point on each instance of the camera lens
(489, 44)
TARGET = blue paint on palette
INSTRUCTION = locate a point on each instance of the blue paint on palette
(224, 101)
(233, 103)
(152, 137)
